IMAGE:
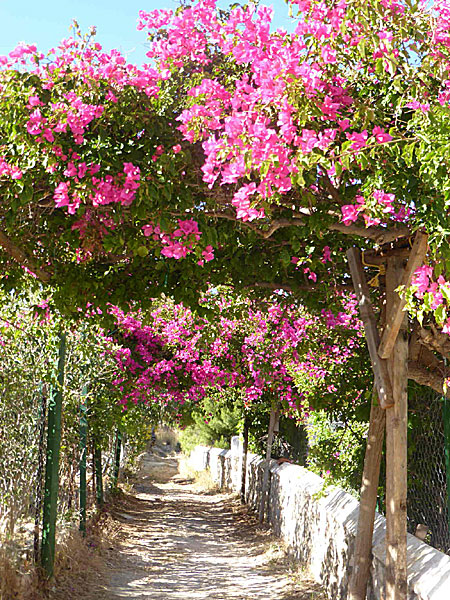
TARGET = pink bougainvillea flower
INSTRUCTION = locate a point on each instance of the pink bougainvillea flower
(380, 135)
(349, 213)
(359, 139)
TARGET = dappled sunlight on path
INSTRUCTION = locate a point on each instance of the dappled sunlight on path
(178, 542)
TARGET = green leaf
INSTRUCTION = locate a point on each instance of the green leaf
(445, 291)
(440, 315)
(408, 153)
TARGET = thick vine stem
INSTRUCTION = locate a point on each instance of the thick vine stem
(424, 376)
(22, 258)
(434, 340)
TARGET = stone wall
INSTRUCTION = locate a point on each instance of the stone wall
(319, 525)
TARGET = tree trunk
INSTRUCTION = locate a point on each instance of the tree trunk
(116, 466)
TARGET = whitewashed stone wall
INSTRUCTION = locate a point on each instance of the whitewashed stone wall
(319, 526)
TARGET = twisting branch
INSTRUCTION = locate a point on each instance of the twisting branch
(434, 340)
(423, 376)
(302, 286)
(274, 226)
(22, 258)
(377, 234)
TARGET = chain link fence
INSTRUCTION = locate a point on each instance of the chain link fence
(427, 507)
(335, 450)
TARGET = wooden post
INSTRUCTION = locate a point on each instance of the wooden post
(396, 447)
(368, 501)
(379, 366)
(244, 457)
(272, 425)
(396, 315)
(52, 467)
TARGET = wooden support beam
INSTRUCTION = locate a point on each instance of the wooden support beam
(379, 366)
(396, 447)
(368, 501)
(395, 315)
(373, 257)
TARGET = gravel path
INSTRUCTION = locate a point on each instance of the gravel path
(178, 542)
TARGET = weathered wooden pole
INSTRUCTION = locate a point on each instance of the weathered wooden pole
(382, 397)
(396, 445)
(379, 365)
(368, 501)
(52, 467)
(244, 457)
(83, 452)
(272, 423)
(395, 318)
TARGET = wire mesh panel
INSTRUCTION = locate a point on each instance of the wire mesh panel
(427, 473)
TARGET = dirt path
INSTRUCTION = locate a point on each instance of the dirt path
(177, 542)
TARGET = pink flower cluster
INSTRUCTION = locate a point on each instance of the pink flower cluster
(377, 209)
(177, 357)
(8, 170)
(180, 242)
(105, 190)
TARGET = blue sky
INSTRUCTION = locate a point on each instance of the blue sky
(46, 22)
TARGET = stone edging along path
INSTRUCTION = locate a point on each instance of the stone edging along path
(319, 527)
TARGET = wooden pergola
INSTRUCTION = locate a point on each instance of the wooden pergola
(395, 356)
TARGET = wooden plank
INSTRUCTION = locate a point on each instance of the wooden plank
(396, 315)
(368, 501)
(379, 366)
(396, 450)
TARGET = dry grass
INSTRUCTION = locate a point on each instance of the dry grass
(18, 581)
(81, 559)
(202, 480)
(78, 559)
(277, 558)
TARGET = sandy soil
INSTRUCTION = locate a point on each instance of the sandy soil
(177, 541)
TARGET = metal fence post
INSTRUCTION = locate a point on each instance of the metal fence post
(52, 466)
(116, 466)
(83, 450)
(98, 473)
(42, 418)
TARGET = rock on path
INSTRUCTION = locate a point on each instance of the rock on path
(179, 543)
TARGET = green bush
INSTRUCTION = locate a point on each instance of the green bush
(214, 421)
(336, 449)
